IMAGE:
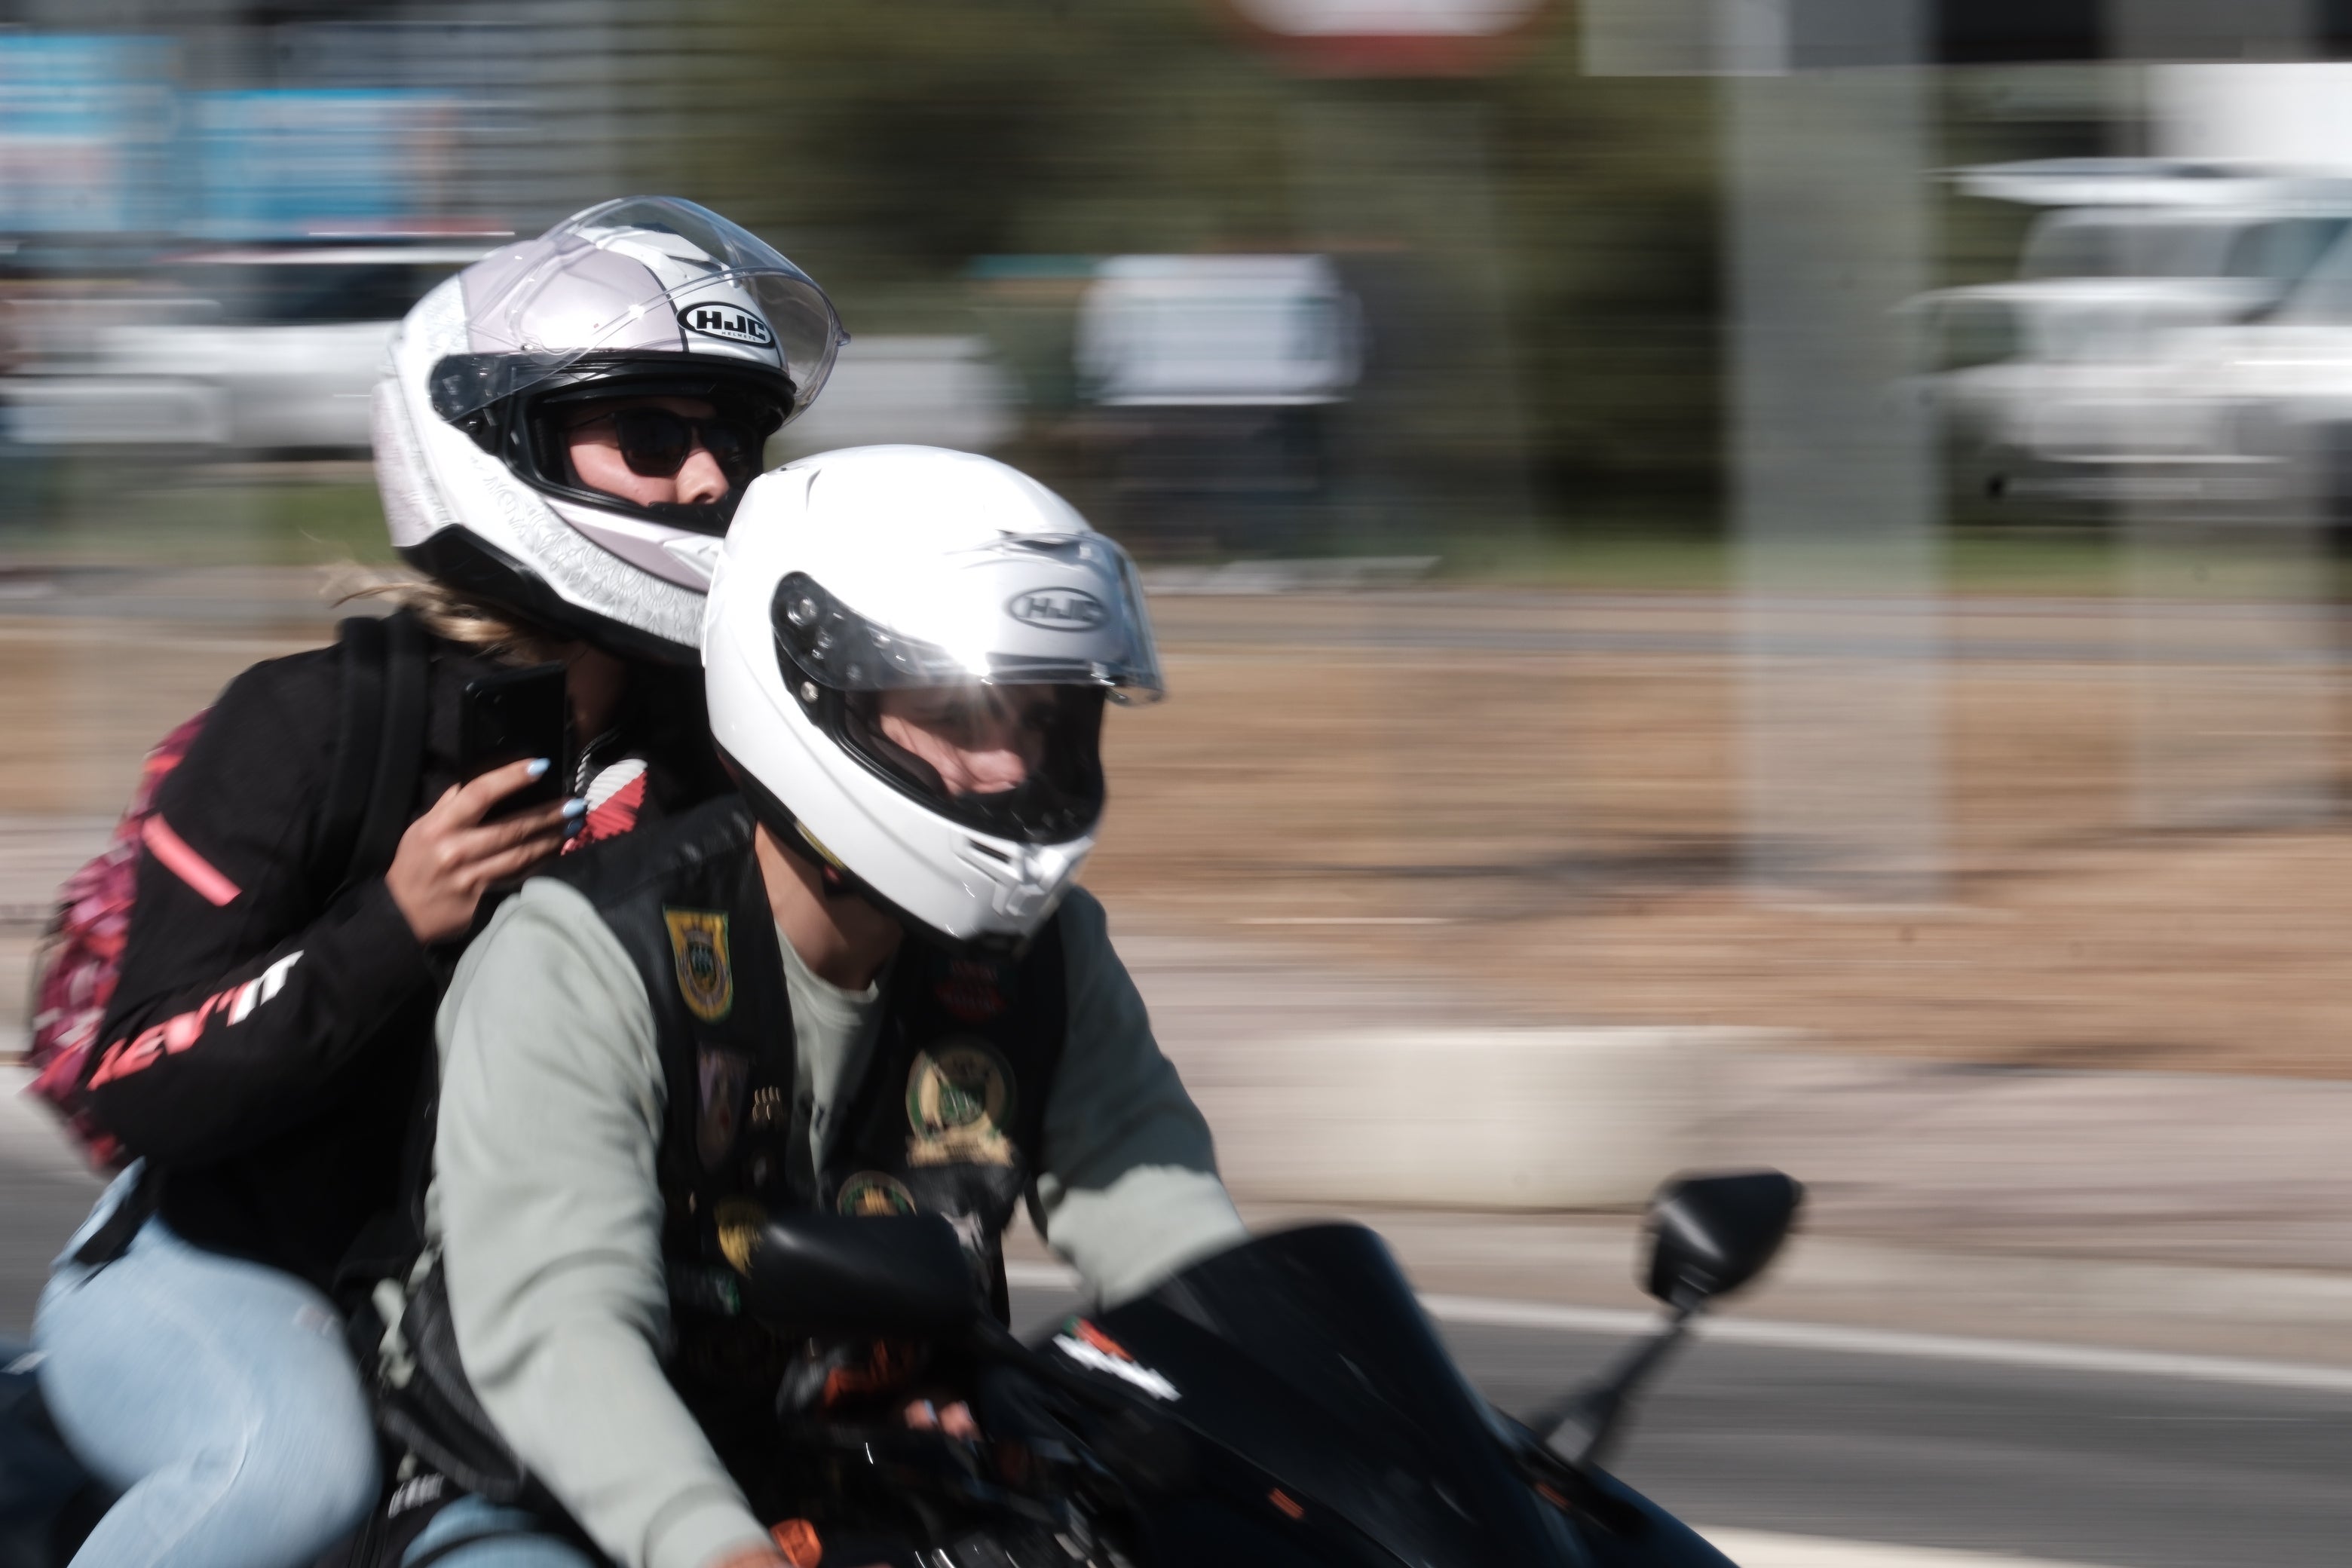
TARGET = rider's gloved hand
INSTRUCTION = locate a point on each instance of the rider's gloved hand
(797, 1546)
(955, 1420)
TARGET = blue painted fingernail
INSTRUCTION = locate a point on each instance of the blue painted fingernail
(575, 806)
(539, 766)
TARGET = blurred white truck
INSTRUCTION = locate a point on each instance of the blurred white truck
(1218, 331)
(261, 349)
(2180, 329)
(1209, 382)
(2058, 382)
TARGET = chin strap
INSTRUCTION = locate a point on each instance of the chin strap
(837, 879)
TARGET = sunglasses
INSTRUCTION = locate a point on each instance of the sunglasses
(655, 443)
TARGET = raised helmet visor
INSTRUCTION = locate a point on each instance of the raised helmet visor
(644, 274)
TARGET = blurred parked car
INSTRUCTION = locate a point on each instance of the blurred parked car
(2256, 412)
(1212, 375)
(2052, 388)
(265, 349)
(2061, 382)
(1218, 331)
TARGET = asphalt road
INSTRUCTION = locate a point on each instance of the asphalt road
(2135, 1472)
(2030, 1462)
(43, 1195)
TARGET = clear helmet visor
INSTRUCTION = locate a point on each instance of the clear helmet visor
(641, 275)
(1030, 609)
(981, 696)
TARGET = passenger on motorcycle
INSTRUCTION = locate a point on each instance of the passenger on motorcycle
(564, 437)
(869, 987)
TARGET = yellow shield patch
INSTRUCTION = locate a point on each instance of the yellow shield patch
(739, 1221)
(698, 940)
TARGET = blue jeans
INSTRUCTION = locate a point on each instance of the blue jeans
(216, 1394)
(510, 1539)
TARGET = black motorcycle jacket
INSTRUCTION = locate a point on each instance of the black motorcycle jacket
(288, 1025)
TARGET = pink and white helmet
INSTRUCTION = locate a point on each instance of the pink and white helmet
(648, 295)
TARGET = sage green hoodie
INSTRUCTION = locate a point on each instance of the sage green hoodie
(546, 1215)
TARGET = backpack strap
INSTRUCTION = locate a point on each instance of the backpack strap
(379, 747)
(359, 731)
(399, 752)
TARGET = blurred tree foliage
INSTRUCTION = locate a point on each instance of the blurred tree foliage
(887, 143)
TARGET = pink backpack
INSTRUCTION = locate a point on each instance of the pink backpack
(80, 956)
(81, 953)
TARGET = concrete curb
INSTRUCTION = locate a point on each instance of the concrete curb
(1492, 1118)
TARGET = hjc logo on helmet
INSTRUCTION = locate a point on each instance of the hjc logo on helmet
(730, 322)
(1058, 609)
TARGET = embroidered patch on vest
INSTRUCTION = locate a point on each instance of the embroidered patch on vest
(724, 1075)
(739, 1221)
(970, 991)
(871, 1195)
(698, 940)
(959, 1102)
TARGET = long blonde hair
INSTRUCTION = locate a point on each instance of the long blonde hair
(492, 632)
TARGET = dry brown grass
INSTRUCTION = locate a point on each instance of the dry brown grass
(1573, 819)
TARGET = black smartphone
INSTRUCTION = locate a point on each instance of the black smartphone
(507, 717)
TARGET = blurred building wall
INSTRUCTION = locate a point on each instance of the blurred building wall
(549, 99)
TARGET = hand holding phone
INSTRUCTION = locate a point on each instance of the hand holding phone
(450, 856)
(514, 716)
(509, 814)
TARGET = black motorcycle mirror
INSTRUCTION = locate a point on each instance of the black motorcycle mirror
(901, 1273)
(1711, 1235)
(1708, 1236)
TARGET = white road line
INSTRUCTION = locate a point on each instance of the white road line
(1345, 921)
(1779, 1335)
(1776, 1335)
(1767, 1549)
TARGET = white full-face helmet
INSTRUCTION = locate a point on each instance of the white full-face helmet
(858, 584)
(646, 297)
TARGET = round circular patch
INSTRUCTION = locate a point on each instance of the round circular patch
(871, 1195)
(959, 1101)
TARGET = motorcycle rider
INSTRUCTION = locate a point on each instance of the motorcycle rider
(869, 985)
(562, 437)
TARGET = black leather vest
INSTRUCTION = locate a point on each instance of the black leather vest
(944, 1117)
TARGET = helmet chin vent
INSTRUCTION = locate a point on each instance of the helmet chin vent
(1002, 870)
(978, 847)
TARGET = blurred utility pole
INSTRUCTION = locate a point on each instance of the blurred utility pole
(1827, 149)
